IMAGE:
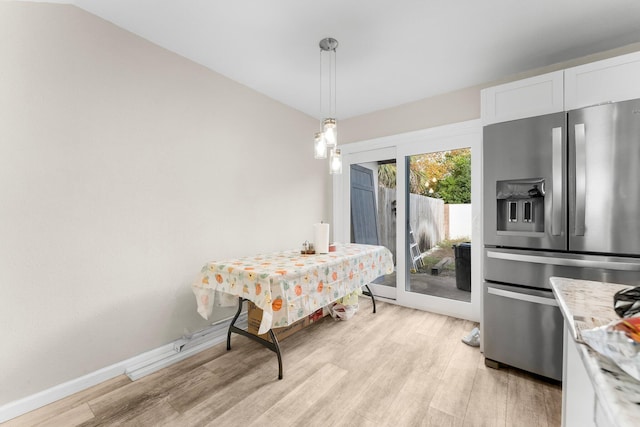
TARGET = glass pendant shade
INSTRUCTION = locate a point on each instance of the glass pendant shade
(335, 162)
(319, 146)
(329, 129)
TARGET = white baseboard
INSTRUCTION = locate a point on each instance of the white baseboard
(183, 348)
(135, 367)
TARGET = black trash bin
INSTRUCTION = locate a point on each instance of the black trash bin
(462, 252)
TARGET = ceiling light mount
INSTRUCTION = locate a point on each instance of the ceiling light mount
(328, 44)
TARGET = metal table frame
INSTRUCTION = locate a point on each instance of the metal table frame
(272, 345)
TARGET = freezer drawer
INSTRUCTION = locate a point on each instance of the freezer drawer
(523, 328)
(533, 268)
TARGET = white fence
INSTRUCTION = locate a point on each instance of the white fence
(431, 220)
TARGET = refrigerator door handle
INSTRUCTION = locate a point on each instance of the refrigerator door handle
(565, 262)
(556, 171)
(522, 297)
(581, 179)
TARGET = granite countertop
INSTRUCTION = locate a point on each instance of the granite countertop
(586, 304)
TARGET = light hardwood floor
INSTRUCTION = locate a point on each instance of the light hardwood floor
(398, 367)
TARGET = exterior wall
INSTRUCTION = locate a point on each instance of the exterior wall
(459, 221)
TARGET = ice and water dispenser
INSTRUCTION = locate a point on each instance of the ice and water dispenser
(520, 205)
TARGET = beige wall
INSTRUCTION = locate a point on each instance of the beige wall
(123, 169)
(443, 109)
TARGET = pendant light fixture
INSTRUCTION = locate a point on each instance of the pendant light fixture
(327, 138)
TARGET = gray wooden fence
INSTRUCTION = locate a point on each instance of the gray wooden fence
(426, 217)
(387, 218)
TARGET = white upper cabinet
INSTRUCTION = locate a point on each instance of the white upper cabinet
(530, 97)
(609, 80)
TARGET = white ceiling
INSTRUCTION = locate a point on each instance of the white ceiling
(391, 51)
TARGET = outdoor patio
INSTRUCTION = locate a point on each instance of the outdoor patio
(424, 283)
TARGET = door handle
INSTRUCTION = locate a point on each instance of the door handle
(556, 175)
(522, 297)
(581, 179)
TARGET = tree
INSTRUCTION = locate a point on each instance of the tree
(444, 175)
(448, 175)
(455, 187)
(387, 177)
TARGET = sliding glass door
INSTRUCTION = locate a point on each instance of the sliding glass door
(418, 194)
(440, 190)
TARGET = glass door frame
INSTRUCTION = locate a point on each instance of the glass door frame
(343, 228)
(441, 138)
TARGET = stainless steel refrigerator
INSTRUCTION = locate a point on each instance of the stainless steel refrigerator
(561, 198)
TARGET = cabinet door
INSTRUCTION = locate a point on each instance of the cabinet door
(578, 396)
(610, 80)
(530, 97)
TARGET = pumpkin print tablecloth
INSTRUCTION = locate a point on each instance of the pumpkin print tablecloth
(288, 285)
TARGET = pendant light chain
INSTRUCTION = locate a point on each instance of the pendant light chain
(321, 104)
(334, 61)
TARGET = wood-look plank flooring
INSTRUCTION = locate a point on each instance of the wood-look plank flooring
(398, 367)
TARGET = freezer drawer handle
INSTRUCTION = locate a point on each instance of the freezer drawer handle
(556, 171)
(566, 262)
(522, 297)
(581, 179)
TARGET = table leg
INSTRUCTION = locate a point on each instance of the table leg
(370, 294)
(274, 340)
(233, 323)
(272, 345)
